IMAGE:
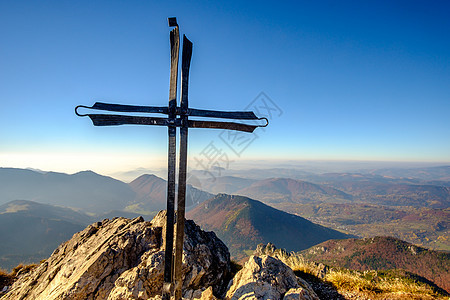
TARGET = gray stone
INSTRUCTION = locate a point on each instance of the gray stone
(124, 259)
(264, 277)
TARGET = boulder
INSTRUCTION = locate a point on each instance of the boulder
(265, 277)
(124, 259)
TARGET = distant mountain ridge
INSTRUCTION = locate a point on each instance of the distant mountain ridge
(151, 194)
(30, 231)
(224, 184)
(340, 188)
(428, 227)
(276, 190)
(85, 190)
(243, 223)
(26, 208)
(90, 192)
(385, 191)
(438, 173)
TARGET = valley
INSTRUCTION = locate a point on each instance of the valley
(427, 227)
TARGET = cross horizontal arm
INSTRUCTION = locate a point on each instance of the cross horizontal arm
(222, 125)
(126, 108)
(237, 115)
(113, 120)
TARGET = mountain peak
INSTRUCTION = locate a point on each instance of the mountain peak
(121, 258)
(86, 172)
(244, 223)
(145, 178)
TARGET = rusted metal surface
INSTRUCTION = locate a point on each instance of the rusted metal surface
(111, 120)
(192, 112)
(126, 108)
(222, 125)
(185, 64)
(174, 47)
(237, 115)
(177, 116)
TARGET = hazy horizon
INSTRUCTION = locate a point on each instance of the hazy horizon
(309, 166)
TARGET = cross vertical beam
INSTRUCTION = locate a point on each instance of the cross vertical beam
(185, 65)
(172, 130)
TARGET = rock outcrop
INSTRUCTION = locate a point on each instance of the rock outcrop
(292, 260)
(124, 259)
(264, 277)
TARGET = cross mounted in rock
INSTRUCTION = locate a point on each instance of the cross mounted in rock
(177, 116)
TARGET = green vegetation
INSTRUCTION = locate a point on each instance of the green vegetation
(138, 209)
(233, 217)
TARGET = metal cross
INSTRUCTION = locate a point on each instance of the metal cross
(177, 116)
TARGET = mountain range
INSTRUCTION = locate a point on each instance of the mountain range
(90, 192)
(277, 190)
(438, 173)
(97, 194)
(243, 223)
(337, 188)
(428, 227)
(388, 191)
(86, 191)
(411, 208)
(30, 231)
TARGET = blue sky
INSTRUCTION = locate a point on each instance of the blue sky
(353, 80)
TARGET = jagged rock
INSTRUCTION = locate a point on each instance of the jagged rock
(298, 294)
(293, 260)
(264, 277)
(124, 259)
(207, 294)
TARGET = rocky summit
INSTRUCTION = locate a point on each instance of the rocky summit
(124, 259)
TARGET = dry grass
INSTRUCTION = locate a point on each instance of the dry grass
(347, 281)
(22, 269)
(5, 279)
(378, 284)
(294, 261)
(399, 285)
(3, 272)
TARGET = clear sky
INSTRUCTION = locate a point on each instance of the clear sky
(348, 80)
